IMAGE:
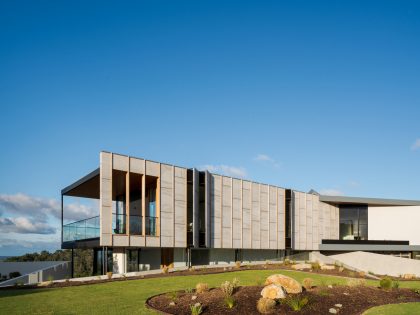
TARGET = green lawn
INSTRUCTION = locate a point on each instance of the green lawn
(128, 297)
(400, 309)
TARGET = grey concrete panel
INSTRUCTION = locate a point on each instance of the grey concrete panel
(216, 210)
(196, 208)
(152, 169)
(106, 165)
(105, 192)
(153, 241)
(106, 239)
(180, 172)
(166, 201)
(136, 165)
(106, 220)
(120, 240)
(180, 189)
(167, 176)
(180, 235)
(236, 189)
(137, 240)
(120, 162)
(166, 241)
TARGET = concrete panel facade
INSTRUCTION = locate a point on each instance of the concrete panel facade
(313, 221)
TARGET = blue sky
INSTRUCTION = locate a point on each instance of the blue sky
(300, 94)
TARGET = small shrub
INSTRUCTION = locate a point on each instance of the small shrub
(238, 264)
(286, 262)
(395, 284)
(308, 283)
(385, 283)
(356, 282)
(371, 272)
(201, 287)
(230, 301)
(189, 290)
(192, 269)
(50, 278)
(228, 287)
(417, 291)
(266, 306)
(173, 296)
(165, 269)
(109, 274)
(196, 309)
(352, 274)
(316, 266)
(296, 303)
(235, 282)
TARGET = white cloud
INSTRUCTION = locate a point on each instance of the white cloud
(267, 159)
(9, 246)
(41, 209)
(416, 145)
(22, 225)
(225, 170)
(331, 192)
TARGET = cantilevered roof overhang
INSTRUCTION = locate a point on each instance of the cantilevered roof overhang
(341, 200)
(86, 187)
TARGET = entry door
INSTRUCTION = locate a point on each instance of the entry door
(166, 257)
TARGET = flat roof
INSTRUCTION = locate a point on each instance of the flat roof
(368, 201)
(87, 186)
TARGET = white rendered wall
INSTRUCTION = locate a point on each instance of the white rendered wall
(394, 223)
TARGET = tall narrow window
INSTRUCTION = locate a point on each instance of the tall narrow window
(353, 222)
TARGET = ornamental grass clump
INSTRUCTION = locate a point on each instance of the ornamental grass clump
(296, 303)
(201, 287)
(266, 306)
(196, 309)
(229, 301)
(308, 283)
(228, 288)
(316, 266)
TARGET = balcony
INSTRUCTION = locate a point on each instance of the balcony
(81, 230)
(119, 224)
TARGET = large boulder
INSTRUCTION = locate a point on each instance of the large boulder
(327, 267)
(273, 292)
(301, 266)
(289, 284)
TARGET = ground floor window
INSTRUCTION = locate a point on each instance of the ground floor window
(99, 257)
(133, 260)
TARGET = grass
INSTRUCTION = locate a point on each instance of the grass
(392, 309)
(128, 297)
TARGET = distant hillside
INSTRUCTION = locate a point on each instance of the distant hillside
(3, 258)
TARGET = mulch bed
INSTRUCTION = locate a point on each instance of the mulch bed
(354, 300)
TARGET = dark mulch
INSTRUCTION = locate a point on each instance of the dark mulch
(354, 300)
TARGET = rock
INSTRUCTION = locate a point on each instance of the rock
(338, 305)
(332, 311)
(409, 276)
(301, 266)
(194, 297)
(289, 284)
(172, 303)
(44, 284)
(327, 267)
(346, 293)
(330, 286)
(273, 292)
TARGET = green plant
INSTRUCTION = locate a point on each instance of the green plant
(228, 287)
(173, 296)
(316, 266)
(238, 264)
(230, 301)
(266, 306)
(196, 309)
(385, 283)
(286, 262)
(395, 284)
(50, 278)
(371, 272)
(417, 291)
(189, 290)
(201, 287)
(356, 282)
(308, 283)
(296, 303)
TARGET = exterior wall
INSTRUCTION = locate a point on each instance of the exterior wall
(245, 214)
(171, 202)
(313, 221)
(394, 223)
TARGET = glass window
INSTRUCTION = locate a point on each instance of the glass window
(353, 222)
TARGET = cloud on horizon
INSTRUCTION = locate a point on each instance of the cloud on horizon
(267, 159)
(225, 170)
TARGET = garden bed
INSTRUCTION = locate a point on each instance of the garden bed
(354, 300)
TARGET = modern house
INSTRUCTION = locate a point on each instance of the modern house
(153, 214)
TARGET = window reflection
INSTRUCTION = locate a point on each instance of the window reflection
(353, 222)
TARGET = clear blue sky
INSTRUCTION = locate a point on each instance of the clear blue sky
(327, 94)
